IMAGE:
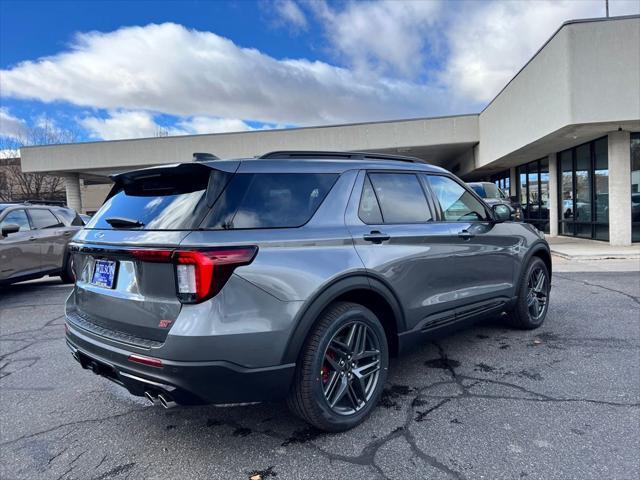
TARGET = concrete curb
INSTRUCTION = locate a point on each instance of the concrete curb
(605, 256)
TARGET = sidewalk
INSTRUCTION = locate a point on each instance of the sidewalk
(572, 248)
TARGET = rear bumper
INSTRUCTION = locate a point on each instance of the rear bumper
(187, 383)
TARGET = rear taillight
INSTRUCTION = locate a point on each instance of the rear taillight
(201, 274)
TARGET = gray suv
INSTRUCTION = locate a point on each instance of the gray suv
(292, 276)
(33, 241)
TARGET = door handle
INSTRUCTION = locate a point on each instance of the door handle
(465, 235)
(31, 239)
(376, 237)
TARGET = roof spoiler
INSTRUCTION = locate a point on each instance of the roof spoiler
(204, 157)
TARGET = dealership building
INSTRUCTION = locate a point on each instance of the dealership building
(563, 136)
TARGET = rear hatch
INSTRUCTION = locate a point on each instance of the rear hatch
(123, 291)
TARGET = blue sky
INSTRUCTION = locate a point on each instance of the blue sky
(109, 70)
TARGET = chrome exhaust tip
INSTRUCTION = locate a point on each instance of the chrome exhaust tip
(166, 401)
(151, 397)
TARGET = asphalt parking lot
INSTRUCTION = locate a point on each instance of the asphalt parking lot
(487, 402)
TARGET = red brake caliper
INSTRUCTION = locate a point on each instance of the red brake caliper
(324, 371)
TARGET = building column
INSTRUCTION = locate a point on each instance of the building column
(72, 187)
(553, 195)
(513, 178)
(619, 188)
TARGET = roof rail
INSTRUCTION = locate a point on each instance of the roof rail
(204, 157)
(283, 154)
(57, 203)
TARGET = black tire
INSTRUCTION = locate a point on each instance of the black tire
(67, 271)
(316, 373)
(523, 316)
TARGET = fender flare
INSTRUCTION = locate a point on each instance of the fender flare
(539, 246)
(311, 311)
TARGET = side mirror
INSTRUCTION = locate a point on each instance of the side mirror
(10, 228)
(501, 213)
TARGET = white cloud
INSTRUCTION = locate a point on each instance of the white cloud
(290, 13)
(209, 125)
(9, 153)
(490, 42)
(387, 36)
(168, 68)
(121, 124)
(471, 49)
(10, 126)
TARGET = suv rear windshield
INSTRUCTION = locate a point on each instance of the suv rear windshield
(179, 199)
(269, 200)
(170, 200)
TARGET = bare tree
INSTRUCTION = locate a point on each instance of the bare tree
(18, 185)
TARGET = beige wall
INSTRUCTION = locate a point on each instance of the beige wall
(92, 156)
(588, 73)
(93, 196)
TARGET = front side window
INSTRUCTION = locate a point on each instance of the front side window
(43, 219)
(16, 217)
(457, 203)
(401, 197)
(269, 200)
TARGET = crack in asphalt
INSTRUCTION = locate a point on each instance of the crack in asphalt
(69, 424)
(609, 289)
(413, 399)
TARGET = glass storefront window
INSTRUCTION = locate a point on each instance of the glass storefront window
(635, 187)
(566, 193)
(502, 180)
(544, 194)
(601, 189)
(533, 193)
(583, 177)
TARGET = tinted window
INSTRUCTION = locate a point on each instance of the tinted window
(41, 218)
(491, 191)
(270, 200)
(168, 201)
(478, 189)
(69, 216)
(401, 197)
(457, 204)
(17, 217)
(369, 211)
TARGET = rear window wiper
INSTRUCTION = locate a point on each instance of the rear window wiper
(122, 222)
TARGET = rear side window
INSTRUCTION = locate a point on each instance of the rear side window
(170, 200)
(401, 197)
(369, 210)
(17, 217)
(69, 216)
(457, 204)
(41, 218)
(269, 200)
(491, 191)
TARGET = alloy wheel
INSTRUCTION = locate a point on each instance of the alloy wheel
(350, 368)
(537, 293)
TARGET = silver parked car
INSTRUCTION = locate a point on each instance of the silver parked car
(33, 241)
(293, 276)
